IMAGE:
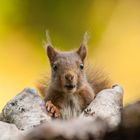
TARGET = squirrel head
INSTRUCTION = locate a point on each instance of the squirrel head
(68, 73)
(67, 68)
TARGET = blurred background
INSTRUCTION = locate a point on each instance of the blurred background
(113, 25)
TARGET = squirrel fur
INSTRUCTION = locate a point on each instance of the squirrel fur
(71, 87)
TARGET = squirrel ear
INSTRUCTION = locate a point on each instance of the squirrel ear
(82, 52)
(51, 52)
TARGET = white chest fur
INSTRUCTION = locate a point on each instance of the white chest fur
(70, 107)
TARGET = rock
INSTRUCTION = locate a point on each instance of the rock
(26, 110)
(9, 132)
(107, 105)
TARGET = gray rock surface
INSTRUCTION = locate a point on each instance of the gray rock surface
(107, 105)
(26, 110)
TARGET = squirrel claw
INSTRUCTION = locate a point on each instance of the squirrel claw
(52, 110)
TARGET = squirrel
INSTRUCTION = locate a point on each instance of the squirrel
(70, 88)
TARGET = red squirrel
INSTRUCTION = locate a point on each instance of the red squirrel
(70, 89)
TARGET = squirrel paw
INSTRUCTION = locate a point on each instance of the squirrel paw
(52, 110)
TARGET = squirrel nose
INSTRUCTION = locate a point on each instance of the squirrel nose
(69, 77)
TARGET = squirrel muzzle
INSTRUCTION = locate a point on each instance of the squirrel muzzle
(69, 81)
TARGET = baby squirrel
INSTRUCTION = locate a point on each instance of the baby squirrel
(70, 89)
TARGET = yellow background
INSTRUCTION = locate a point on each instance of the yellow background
(114, 27)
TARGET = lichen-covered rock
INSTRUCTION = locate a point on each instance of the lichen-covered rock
(107, 105)
(26, 110)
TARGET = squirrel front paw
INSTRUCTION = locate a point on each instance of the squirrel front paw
(52, 110)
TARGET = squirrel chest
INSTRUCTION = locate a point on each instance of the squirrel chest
(70, 107)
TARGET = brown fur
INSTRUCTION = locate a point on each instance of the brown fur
(97, 78)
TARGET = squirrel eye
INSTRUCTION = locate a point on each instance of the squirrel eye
(54, 67)
(81, 66)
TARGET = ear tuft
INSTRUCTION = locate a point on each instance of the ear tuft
(48, 41)
(85, 38)
(48, 38)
